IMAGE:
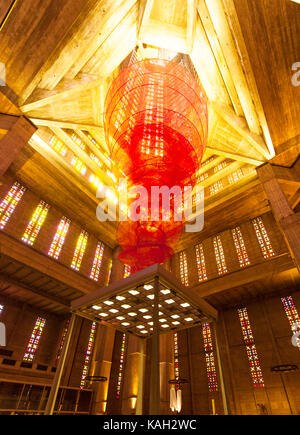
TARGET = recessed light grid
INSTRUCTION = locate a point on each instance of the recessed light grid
(132, 310)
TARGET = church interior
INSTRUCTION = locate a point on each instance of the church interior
(111, 317)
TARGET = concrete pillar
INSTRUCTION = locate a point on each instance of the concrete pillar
(101, 366)
(222, 381)
(142, 364)
(131, 375)
(117, 267)
(14, 140)
(58, 374)
(166, 371)
(154, 408)
(285, 216)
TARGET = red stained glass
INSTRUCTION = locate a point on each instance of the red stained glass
(254, 364)
(156, 127)
(209, 357)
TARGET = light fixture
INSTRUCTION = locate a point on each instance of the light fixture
(132, 314)
(147, 317)
(175, 316)
(144, 332)
(120, 298)
(175, 323)
(165, 292)
(108, 302)
(150, 323)
(120, 318)
(126, 307)
(125, 324)
(143, 310)
(140, 326)
(185, 304)
(103, 314)
(150, 296)
(189, 319)
(133, 400)
(169, 301)
(113, 311)
(134, 292)
(148, 287)
(162, 320)
(96, 307)
(165, 325)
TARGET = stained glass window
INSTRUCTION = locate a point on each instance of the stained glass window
(96, 160)
(235, 176)
(62, 341)
(254, 364)
(97, 262)
(34, 339)
(127, 271)
(202, 276)
(109, 272)
(88, 355)
(209, 357)
(10, 202)
(78, 141)
(202, 177)
(78, 165)
(240, 247)
(292, 315)
(216, 188)
(79, 250)
(36, 223)
(220, 167)
(58, 146)
(184, 274)
(263, 238)
(220, 257)
(207, 161)
(176, 359)
(94, 141)
(95, 181)
(121, 367)
(59, 238)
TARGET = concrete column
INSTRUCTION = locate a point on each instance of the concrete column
(102, 367)
(14, 140)
(117, 267)
(58, 374)
(222, 382)
(131, 375)
(154, 408)
(166, 371)
(139, 404)
(287, 220)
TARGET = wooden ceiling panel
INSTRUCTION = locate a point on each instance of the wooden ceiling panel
(32, 32)
(271, 33)
(116, 47)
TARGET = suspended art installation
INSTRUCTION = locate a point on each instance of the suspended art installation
(156, 129)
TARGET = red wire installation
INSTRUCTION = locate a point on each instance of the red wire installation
(156, 127)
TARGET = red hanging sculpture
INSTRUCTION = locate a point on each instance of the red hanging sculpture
(156, 128)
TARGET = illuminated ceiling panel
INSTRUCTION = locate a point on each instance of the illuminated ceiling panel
(128, 305)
